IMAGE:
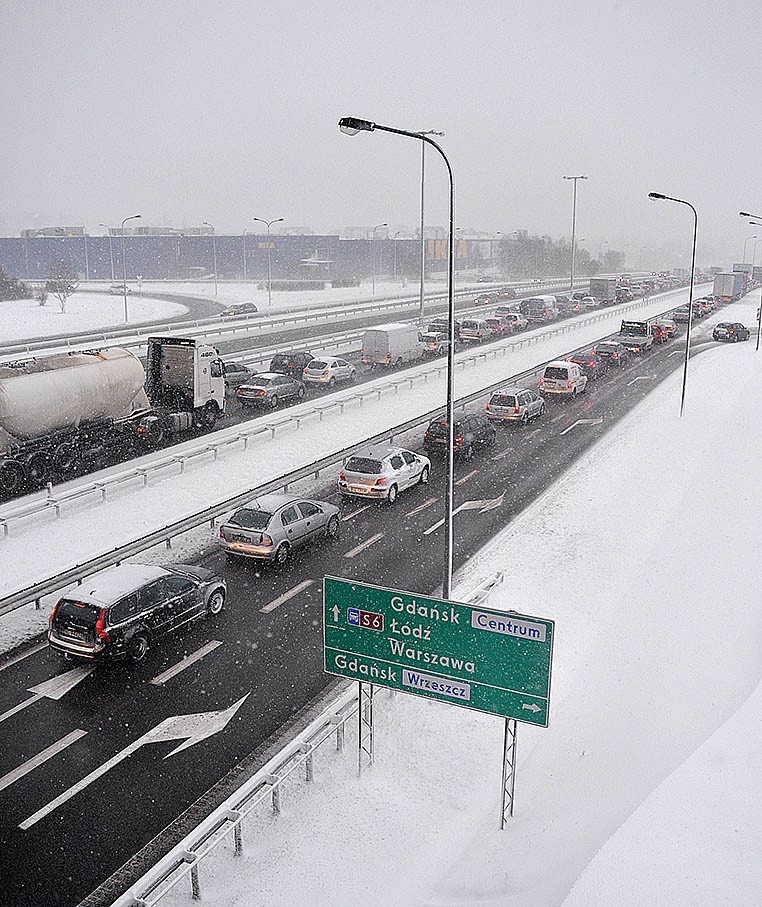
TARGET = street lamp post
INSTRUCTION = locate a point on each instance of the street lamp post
(268, 224)
(395, 253)
(373, 257)
(110, 250)
(757, 217)
(574, 227)
(600, 249)
(743, 254)
(214, 253)
(352, 126)
(124, 265)
(507, 236)
(423, 241)
(680, 201)
(87, 260)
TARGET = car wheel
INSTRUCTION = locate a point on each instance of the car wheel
(353, 374)
(331, 382)
(273, 401)
(468, 452)
(525, 417)
(424, 479)
(332, 528)
(541, 410)
(392, 496)
(137, 648)
(300, 392)
(574, 392)
(281, 555)
(216, 602)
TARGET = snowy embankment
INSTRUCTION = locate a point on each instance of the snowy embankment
(93, 528)
(645, 788)
(26, 319)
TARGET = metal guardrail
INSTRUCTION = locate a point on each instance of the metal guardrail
(182, 862)
(216, 327)
(116, 555)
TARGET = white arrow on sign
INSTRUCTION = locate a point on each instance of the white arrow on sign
(582, 422)
(481, 506)
(335, 612)
(54, 688)
(191, 729)
(530, 706)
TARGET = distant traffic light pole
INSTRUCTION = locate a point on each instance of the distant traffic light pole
(351, 126)
(757, 217)
(680, 201)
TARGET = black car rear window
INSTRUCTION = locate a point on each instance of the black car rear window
(364, 464)
(250, 519)
(553, 371)
(724, 324)
(437, 427)
(84, 615)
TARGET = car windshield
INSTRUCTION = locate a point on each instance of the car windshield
(553, 371)
(250, 519)
(503, 400)
(364, 464)
(317, 363)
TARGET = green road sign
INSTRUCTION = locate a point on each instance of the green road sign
(491, 661)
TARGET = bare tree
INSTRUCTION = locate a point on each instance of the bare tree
(62, 281)
(41, 294)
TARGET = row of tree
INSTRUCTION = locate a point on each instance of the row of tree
(61, 281)
(539, 256)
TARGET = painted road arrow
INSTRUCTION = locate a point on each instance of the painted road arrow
(54, 688)
(481, 506)
(191, 729)
(582, 422)
(640, 378)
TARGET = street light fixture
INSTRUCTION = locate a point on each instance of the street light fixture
(423, 241)
(214, 253)
(373, 255)
(351, 126)
(680, 201)
(110, 250)
(124, 265)
(743, 254)
(757, 219)
(268, 224)
(574, 226)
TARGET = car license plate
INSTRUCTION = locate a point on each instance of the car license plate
(361, 488)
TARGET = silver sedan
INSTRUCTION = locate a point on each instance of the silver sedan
(273, 525)
(269, 389)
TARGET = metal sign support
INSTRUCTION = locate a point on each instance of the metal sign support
(365, 728)
(509, 770)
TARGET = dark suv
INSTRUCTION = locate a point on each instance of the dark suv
(471, 433)
(291, 363)
(120, 612)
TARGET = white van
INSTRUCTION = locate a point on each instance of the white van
(562, 378)
(391, 345)
(474, 330)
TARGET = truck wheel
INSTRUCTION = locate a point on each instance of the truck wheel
(64, 458)
(38, 468)
(209, 415)
(11, 477)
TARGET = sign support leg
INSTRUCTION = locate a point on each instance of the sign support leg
(509, 770)
(365, 729)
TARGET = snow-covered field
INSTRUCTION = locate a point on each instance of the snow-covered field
(25, 319)
(646, 788)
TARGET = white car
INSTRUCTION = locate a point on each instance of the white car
(117, 289)
(328, 370)
(382, 472)
(563, 379)
(590, 302)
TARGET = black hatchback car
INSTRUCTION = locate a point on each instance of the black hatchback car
(592, 364)
(731, 331)
(291, 363)
(122, 611)
(471, 432)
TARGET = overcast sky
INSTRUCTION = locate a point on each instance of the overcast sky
(191, 111)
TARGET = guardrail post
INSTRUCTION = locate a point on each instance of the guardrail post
(168, 543)
(195, 886)
(309, 769)
(238, 838)
(276, 800)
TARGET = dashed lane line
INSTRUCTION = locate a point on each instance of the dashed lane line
(466, 477)
(354, 513)
(282, 599)
(185, 663)
(366, 544)
(23, 655)
(503, 453)
(36, 761)
(420, 507)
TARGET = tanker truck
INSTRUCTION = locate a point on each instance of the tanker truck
(69, 413)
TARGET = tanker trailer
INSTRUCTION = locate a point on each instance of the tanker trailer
(72, 412)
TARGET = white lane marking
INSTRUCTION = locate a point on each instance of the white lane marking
(54, 688)
(351, 516)
(17, 658)
(582, 422)
(435, 526)
(466, 477)
(185, 663)
(676, 353)
(420, 507)
(276, 602)
(531, 434)
(503, 453)
(640, 378)
(20, 707)
(481, 506)
(366, 544)
(558, 417)
(31, 764)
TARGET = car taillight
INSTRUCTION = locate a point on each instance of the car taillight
(53, 612)
(569, 383)
(342, 476)
(265, 540)
(382, 481)
(488, 407)
(542, 382)
(222, 533)
(327, 372)
(260, 393)
(100, 626)
(517, 409)
(459, 439)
